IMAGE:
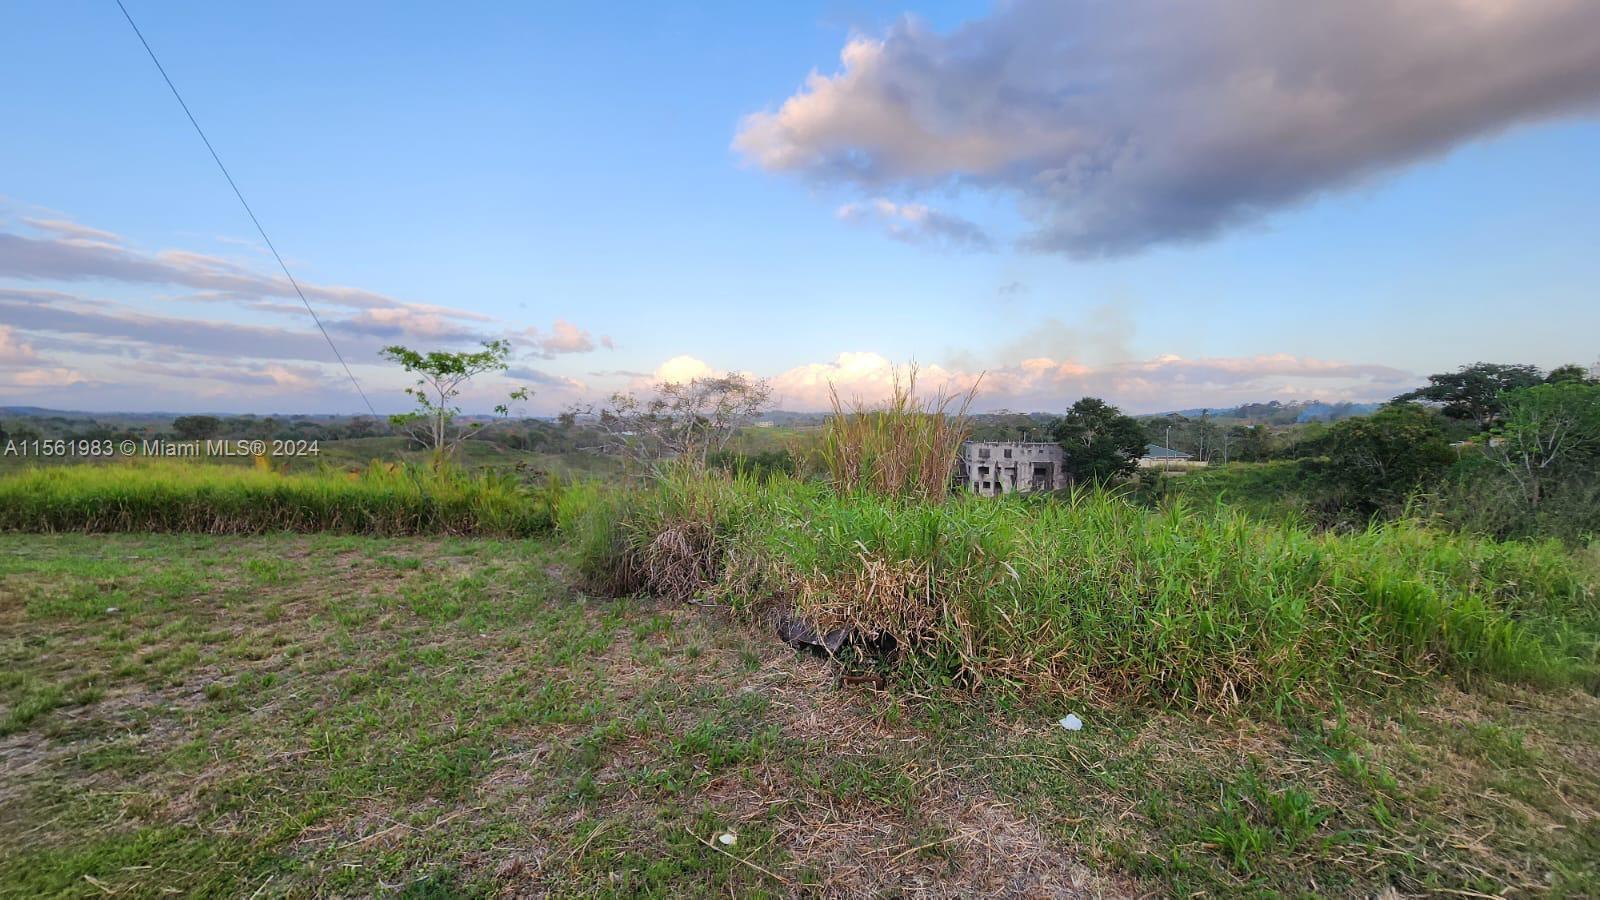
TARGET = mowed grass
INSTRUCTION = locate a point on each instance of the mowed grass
(161, 496)
(291, 715)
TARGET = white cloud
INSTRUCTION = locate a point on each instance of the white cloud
(681, 369)
(67, 228)
(915, 223)
(563, 337)
(13, 352)
(1118, 125)
(43, 377)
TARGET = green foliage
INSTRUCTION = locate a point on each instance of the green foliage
(1253, 443)
(1571, 373)
(385, 499)
(1474, 392)
(1538, 473)
(1252, 821)
(1004, 425)
(196, 428)
(441, 376)
(1177, 607)
(1101, 443)
(1374, 464)
(1551, 431)
(760, 465)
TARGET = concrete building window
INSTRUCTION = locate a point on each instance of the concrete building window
(1008, 453)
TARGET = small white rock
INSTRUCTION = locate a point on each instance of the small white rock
(1072, 722)
(112, 609)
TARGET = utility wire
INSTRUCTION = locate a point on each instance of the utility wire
(248, 211)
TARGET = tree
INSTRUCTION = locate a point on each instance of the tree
(684, 420)
(1205, 431)
(1375, 462)
(1254, 442)
(1100, 442)
(361, 426)
(441, 376)
(1474, 392)
(1570, 372)
(1548, 428)
(196, 428)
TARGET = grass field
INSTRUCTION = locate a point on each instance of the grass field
(167, 495)
(290, 715)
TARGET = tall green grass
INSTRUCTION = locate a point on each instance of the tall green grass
(385, 499)
(1202, 607)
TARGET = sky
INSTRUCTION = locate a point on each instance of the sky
(1165, 205)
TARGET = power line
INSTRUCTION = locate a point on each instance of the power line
(248, 211)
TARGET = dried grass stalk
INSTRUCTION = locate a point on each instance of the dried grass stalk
(906, 447)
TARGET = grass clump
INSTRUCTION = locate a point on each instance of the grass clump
(167, 496)
(1090, 594)
(905, 448)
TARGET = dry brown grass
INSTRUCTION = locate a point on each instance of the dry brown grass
(906, 447)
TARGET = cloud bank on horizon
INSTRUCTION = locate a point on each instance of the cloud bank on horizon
(1046, 384)
(1120, 126)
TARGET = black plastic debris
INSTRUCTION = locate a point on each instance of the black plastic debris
(804, 635)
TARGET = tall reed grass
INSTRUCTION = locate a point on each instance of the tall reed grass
(164, 495)
(906, 447)
(1092, 595)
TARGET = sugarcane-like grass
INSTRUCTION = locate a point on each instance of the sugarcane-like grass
(905, 447)
(1090, 595)
(170, 496)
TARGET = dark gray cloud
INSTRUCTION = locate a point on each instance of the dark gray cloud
(73, 258)
(203, 338)
(1119, 125)
(541, 378)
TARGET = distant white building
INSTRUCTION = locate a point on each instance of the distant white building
(992, 468)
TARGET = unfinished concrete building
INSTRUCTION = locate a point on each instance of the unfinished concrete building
(993, 468)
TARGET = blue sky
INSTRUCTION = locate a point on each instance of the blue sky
(586, 181)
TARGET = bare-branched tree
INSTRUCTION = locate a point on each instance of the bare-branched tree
(682, 420)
